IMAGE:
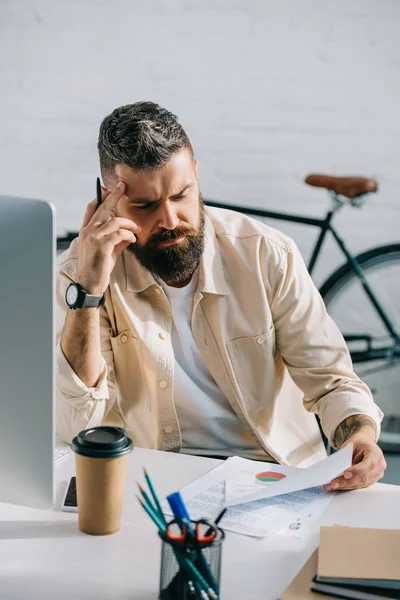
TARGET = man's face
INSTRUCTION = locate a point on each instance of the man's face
(167, 204)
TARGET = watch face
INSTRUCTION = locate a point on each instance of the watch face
(72, 295)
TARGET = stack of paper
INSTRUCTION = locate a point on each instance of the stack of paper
(246, 488)
(351, 562)
(354, 562)
(287, 502)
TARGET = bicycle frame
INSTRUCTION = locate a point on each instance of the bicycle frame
(325, 225)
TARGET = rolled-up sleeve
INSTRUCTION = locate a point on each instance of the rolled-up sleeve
(79, 407)
(315, 351)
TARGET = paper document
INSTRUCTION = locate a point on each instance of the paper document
(304, 524)
(206, 498)
(245, 488)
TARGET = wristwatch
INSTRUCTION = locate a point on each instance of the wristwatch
(76, 297)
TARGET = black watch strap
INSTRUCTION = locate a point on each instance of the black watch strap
(92, 301)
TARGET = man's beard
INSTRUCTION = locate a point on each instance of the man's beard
(176, 263)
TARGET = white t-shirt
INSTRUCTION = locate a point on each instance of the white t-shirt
(207, 421)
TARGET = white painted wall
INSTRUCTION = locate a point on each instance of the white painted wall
(268, 91)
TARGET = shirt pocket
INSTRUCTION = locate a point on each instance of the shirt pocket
(132, 391)
(254, 368)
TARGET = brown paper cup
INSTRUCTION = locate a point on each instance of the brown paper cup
(102, 455)
(100, 488)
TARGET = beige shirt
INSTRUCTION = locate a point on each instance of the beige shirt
(261, 328)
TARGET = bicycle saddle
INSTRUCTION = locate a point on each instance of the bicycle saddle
(350, 187)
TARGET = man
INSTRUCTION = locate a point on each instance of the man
(198, 330)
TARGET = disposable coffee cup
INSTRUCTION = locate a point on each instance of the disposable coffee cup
(101, 465)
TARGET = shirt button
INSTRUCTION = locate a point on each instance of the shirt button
(163, 335)
(168, 429)
(162, 384)
(261, 339)
(124, 338)
(158, 291)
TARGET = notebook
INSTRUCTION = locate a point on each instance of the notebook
(366, 546)
(354, 592)
(359, 556)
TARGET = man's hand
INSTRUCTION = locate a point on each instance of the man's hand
(102, 238)
(368, 465)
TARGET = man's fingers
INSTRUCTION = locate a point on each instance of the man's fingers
(104, 193)
(361, 475)
(109, 203)
(359, 479)
(92, 207)
(121, 246)
(90, 210)
(115, 223)
(360, 470)
(119, 236)
(113, 197)
(342, 485)
(372, 462)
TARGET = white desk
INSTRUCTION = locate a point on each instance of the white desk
(44, 556)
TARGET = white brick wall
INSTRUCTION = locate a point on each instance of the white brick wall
(268, 91)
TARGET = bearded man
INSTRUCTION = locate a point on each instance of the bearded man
(198, 330)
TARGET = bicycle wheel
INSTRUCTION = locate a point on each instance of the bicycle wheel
(376, 356)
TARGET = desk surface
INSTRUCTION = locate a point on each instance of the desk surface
(44, 555)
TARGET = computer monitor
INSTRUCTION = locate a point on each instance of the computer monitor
(27, 345)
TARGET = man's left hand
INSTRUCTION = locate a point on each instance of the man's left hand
(368, 465)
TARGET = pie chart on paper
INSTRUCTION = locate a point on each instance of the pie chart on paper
(268, 476)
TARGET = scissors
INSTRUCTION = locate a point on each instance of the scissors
(199, 533)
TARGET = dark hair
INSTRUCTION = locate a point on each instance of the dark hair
(141, 135)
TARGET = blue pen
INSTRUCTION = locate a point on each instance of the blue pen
(178, 507)
(180, 512)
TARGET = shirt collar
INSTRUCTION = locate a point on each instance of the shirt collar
(138, 279)
(211, 272)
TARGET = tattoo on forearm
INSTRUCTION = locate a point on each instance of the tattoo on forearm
(350, 426)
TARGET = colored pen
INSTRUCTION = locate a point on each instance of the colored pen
(221, 514)
(98, 192)
(178, 507)
(217, 520)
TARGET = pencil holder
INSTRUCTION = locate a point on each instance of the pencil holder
(179, 581)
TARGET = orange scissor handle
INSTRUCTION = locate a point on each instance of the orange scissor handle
(206, 532)
(200, 532)
(182, 536)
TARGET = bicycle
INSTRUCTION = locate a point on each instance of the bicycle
(357, 294)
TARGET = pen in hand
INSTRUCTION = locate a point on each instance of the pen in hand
(98, 192)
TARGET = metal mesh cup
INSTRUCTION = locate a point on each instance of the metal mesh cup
(175, 582)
